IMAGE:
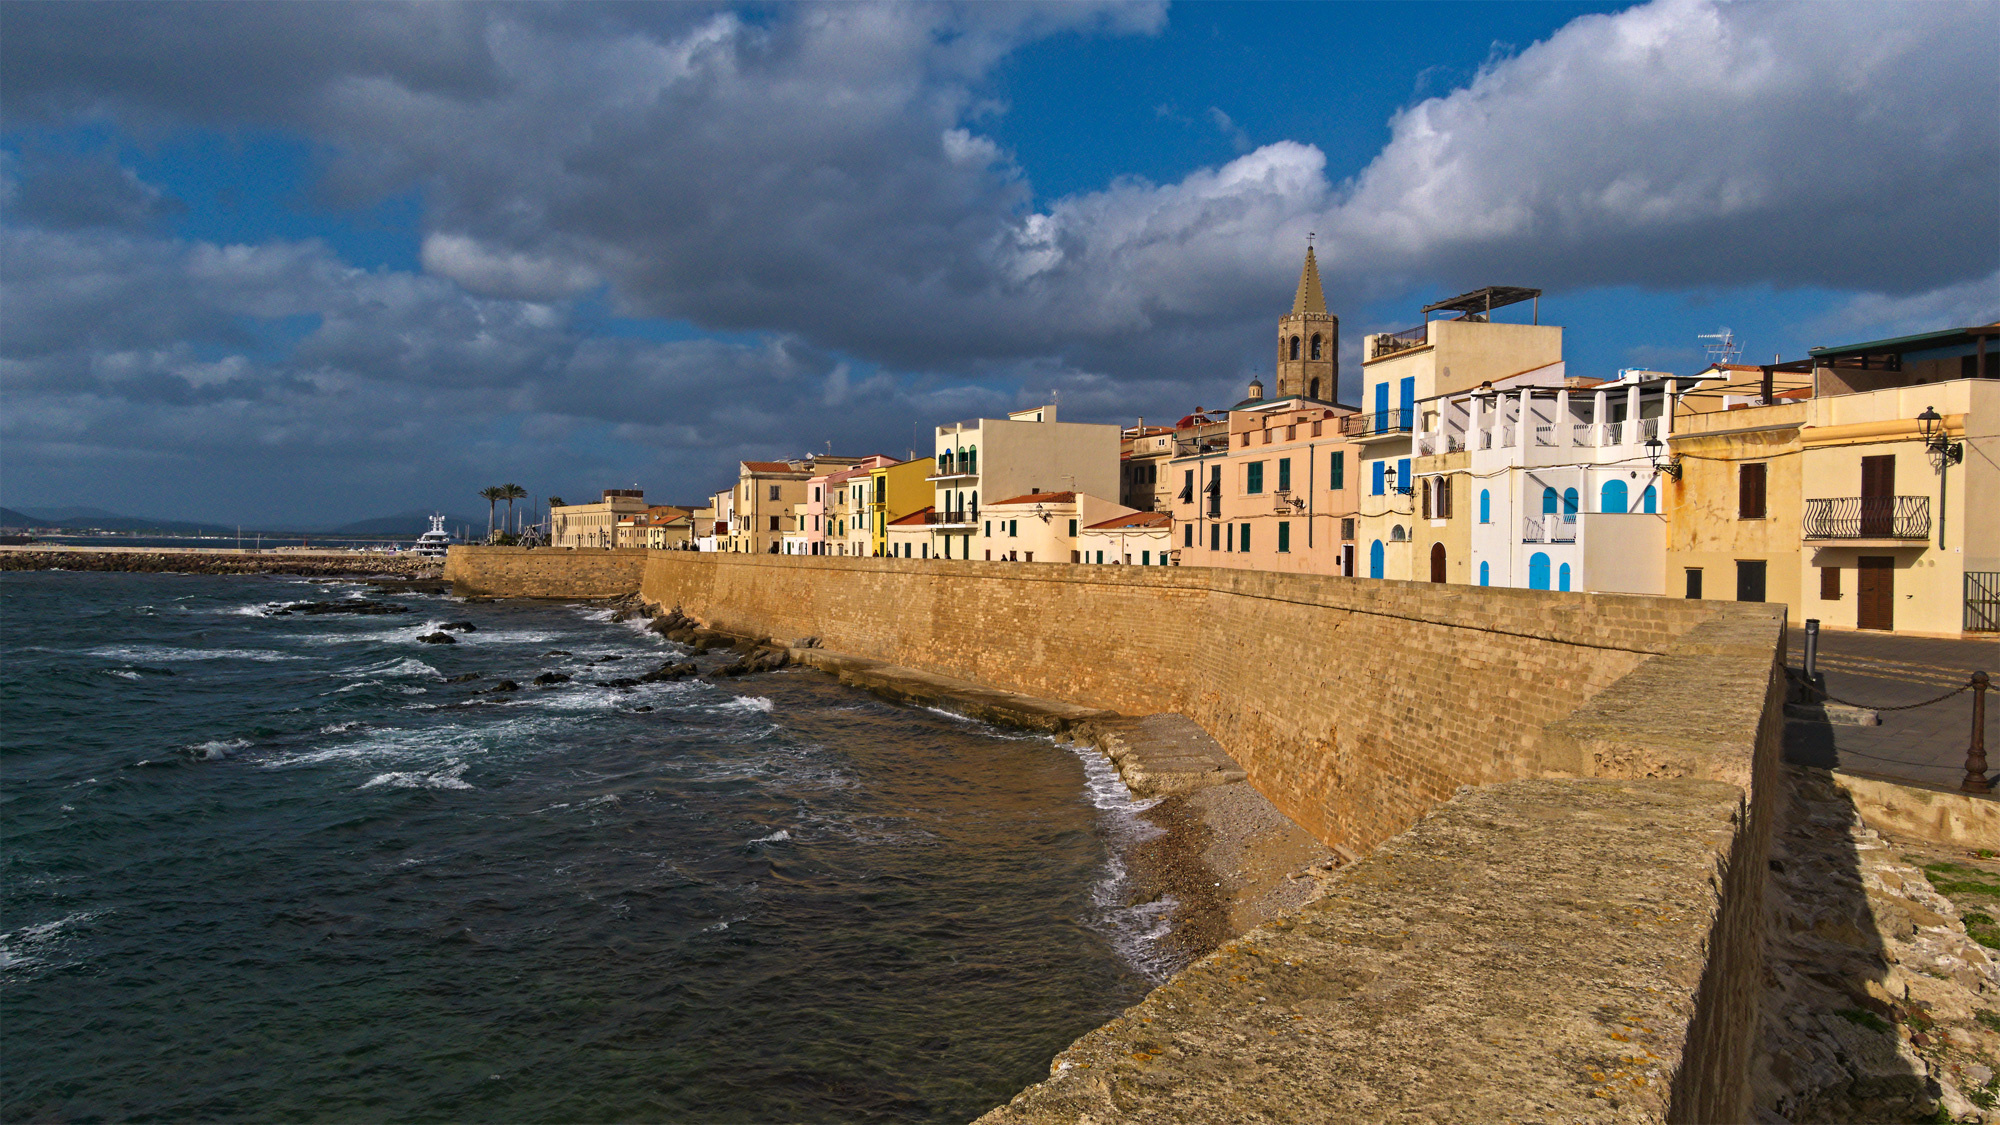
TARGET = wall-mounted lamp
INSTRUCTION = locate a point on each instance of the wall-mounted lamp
(1669, 467)
(1942, 449)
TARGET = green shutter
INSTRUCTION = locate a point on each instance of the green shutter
(1284, 474)
(1337, 475)
(1255, 483)
(1284, 536)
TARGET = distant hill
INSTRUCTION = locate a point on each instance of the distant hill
(11, 518)
(414, 522)
(105, 521)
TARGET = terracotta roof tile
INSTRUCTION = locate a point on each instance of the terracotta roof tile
(912, 518)
(1134, 519)
(1041, 498)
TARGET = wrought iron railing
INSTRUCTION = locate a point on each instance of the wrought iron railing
(965, 516)
(1982, 601)
(1386, 422)
(1869, 517)
(1389, 343)
(1548, 528)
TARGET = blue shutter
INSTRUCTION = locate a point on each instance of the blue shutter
(1538, 571)
(1403, 475)
(1378, 475)
(1375, 559)
(1407, 401)
(1485, 512)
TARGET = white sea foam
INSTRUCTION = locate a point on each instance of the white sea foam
(952, 715)
(219, 748)
(1134, 930)
(404, 666)
(780, 836)
(31, 946)
(748, 703)
(168, 652)
(356, 686)
(450, 777)
(339, 728)
(120, 672)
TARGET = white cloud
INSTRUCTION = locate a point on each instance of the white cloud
(504, 273)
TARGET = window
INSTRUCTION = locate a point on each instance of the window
(1336, 473)
(1295, 347)
(1649, 501)
(1253, 481)
(1612, 497)
(1072, 528)
(1315, 345)
(1187, 535)
(1284, 474)
(1694, 582)
(774, 491)
(1013, 528)
(1562, 577)
(1486, 574)
(1381, 407)
(1100, 558)
(1246, 537)
(1485, 509)
(1215, 537)
(1284, 537)
(1403, 475)
(1375, 559)
(1145, 558)
(1829, 583)
(989, 529)
(1246, 438)
(1750, 497)
(815, 494)
(1570, 499)
(774, 523)
(1347, 527)
(1407, 399)
(1549, 501)
(1377, 478)
(1749, 580)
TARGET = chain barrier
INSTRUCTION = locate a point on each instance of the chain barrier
(1830, 697)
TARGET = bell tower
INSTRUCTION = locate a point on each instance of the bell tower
(1309, 341)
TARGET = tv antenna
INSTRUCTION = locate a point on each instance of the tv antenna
(1722, 346)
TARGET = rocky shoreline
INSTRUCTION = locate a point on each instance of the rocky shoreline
(206, 562)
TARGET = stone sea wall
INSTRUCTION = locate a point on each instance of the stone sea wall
(1567, 797)
(545, 572)
(169, 560)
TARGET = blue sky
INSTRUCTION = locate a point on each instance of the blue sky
(303, 264)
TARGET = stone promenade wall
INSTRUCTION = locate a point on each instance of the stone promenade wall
(1355, 706)
(544, 572)
(209, 560)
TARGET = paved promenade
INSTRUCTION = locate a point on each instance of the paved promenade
(1924, 745)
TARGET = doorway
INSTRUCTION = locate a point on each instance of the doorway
(1347, 560)
(1875, 596)
(1437, 562)
(1878, 496)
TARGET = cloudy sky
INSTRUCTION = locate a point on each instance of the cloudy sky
(309, 263)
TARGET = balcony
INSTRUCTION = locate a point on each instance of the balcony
(1548, 528)
(1389, 343)
(1884, 518)
(952, 519)
(1385, 426)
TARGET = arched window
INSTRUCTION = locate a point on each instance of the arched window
(1486, 574)
(1314, 393)
(1375, 559)
(969, 461)
(975, 503)
(1562, 577)
(1485, 509)
(944, 463)
(1315, 347)
(1548, 501)
(1397, 534)
(1437, 562)
(1538, 571)
(1613, 497)
(1295, 347)
(1649, 501)
(1569, 505)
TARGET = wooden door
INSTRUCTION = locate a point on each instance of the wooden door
(1878, 496)
(1437, 562)
(1875, 595)
(1347, 560)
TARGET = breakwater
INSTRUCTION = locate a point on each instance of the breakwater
(1633, 738)
(209, 560)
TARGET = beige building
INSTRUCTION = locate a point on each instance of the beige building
(1028, 452)
(1857, 486)
(1280, 494)
(909, 537)
(1040, 526)
(766, 494)
(576, 526)
(1403, 372)
(1133, 539)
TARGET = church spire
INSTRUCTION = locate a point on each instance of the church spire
(1309, 298)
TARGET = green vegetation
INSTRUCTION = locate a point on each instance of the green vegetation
(1954, 879)
(1991, 1020)
(1866, 1019)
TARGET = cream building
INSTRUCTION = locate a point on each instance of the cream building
(909, 537)
(1040, 526)
(1028, 452)
(577, 526)
(1401, 370)
(1280, 492)
(1133, 539)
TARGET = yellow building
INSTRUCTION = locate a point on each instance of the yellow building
(594, 525)
(894, 491)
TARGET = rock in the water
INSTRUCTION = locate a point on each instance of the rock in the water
(556, 652)
(355, 605)
(626, 682)
(547, 678)
(459, 627)
(638, 709)
(465, 679)
(438, 639)
(506, 685)
(602, 659)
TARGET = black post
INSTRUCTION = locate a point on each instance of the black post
(1975, 754)
(1812, 654)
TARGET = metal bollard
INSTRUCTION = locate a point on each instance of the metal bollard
(1975, 754)
(1812, 647)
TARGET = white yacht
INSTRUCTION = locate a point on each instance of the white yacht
(435, 542)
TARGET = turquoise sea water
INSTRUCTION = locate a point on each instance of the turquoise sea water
(276, 868)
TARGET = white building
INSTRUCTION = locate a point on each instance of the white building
(1026, 453)
(1559, 488)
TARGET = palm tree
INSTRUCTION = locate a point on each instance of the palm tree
(492, 496)
(511, 493)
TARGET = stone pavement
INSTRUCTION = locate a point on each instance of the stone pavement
(1925, 745)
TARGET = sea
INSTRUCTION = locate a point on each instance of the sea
(277, 868)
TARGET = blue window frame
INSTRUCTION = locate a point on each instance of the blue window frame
(1612, 497)
(1375, 559)
(1485, 510)
(1538, 571)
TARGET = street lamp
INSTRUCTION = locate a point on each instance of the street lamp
(1670, 467)
(1942, 449)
